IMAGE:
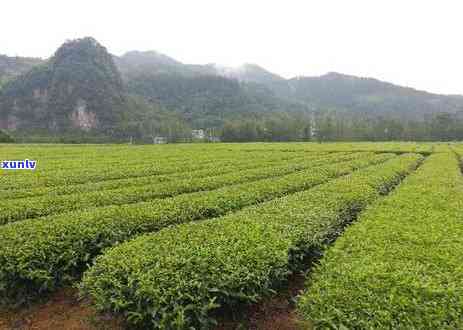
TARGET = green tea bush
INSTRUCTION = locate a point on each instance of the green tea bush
(401, 265)
(39, 255)
(51, 174)
(18, 209)
(174, 278)
(207, 169)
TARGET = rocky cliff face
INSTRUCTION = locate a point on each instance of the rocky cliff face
(82, 118)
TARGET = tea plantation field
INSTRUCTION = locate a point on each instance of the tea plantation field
(173, 236)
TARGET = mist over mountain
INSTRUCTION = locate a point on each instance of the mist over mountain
(153, 62)
(204, 95)
(332, 91)
(249, 73)
(83, 88)
(137, 63)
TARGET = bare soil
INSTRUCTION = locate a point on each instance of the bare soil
(64, 311)
(273, 313)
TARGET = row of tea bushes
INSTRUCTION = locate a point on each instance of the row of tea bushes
(39, 255)
(155, 166)
(207, 169)
(19, 209)
(173, 279)
(401, 265)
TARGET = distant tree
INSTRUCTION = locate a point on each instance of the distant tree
(307, 132)
(443, 127)
(326, 129)
(5, 137)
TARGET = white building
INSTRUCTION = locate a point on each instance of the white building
(159, 140)
(198, 134)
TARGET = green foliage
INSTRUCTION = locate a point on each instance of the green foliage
(39, 255)
(142, 165)
(143, 121)
(358, 109)
(365, 96)
(17, 97)
(143, 95)
(400, 266)
(14, 66)
(174, 278)
(11, 67)
(3, 81)
(84, 70)
(135, 63)
(327, 126)
(80, 72)
(5, 138)
(149, 188)
(206, 100)
(270, 127)
(136, 173)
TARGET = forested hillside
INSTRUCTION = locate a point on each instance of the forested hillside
(204, 95)
(83, 92)
(11, 67)
(365, 96)
(78, 88)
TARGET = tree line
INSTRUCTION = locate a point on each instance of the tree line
(342, 127)
(151, 122)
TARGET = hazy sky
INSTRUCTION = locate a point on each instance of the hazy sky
(408, 42)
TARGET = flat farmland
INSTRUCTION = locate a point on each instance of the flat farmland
(232, 236)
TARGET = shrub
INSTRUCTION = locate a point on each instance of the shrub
(151, 187)
(400, 266)
(5, 137)
(174, 278)
(39, 255)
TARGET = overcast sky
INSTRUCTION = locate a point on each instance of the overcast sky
(408, 42)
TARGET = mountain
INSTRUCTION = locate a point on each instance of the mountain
(249, 73)
(367, 96)
(204, 95)
(79, 87)
(136, 63)
(11, 67)
(84, 90)
(332, 91)
(208, 100)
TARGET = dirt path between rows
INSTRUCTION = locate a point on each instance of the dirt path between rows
(274, 313)
(64, 311)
